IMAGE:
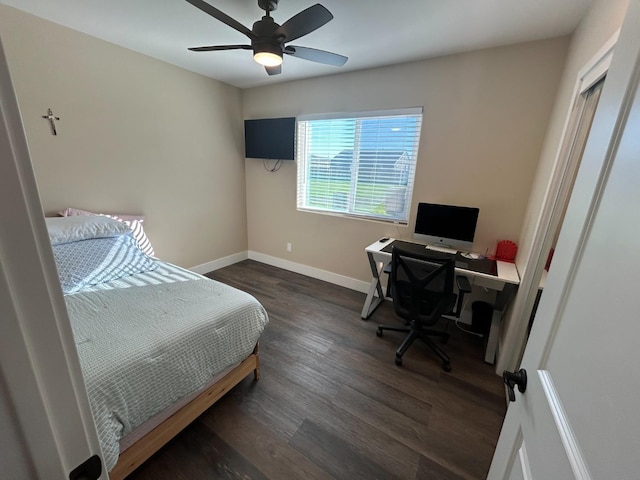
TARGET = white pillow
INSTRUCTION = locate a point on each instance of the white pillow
(134, 222)
(73, 229)
(70, 212)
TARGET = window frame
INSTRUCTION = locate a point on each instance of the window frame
(304, 165)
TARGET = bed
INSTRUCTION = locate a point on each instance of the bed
(157, 344)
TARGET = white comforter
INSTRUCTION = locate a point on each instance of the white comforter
(144, 347)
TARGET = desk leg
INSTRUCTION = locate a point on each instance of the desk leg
(502, 301)
(372, 301)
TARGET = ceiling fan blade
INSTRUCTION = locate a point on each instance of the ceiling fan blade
(314, 55)
(214, 48)
(223, 17)
(277, 70)
(304, 22)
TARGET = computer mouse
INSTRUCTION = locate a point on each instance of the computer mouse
(472, 256)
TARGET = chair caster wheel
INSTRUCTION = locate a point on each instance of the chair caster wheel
(446, 367)
(399, 361)
(379, 332)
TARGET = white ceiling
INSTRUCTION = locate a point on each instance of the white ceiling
(370, 32)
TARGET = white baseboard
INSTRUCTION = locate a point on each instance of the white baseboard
(336, 279)
(219, 263)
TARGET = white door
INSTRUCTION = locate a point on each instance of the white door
(46, 427)
(579, 416)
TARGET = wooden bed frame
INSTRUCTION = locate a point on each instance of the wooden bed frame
(141, 450)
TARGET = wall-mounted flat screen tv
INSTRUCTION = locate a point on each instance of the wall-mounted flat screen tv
(270, 138)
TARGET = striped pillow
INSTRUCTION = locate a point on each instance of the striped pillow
(99, 260)
(134, 222)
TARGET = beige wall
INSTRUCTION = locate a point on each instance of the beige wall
(485, 116)
(136, 135)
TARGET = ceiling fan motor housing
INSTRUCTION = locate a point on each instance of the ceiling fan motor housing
(265, 27)
(267, 40)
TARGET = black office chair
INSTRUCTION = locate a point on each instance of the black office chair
(422, 289)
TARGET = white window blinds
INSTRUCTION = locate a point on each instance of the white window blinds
(360, 165)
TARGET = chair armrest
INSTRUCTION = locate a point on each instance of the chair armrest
(463, 284)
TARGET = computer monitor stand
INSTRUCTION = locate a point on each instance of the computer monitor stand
(443, 249)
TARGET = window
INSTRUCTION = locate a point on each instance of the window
(358, 165)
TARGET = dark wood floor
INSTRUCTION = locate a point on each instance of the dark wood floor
(331, 403)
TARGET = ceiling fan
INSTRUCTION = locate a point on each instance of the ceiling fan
(268, 39)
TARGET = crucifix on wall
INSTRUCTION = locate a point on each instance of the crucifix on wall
(52, 119)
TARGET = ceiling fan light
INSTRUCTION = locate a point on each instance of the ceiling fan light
(268, 59)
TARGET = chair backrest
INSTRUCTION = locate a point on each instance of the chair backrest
(422, 285)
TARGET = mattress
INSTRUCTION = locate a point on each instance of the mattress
(147, 340)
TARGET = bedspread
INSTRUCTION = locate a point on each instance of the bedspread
(144, 347)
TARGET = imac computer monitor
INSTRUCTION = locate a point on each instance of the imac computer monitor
(446, 226)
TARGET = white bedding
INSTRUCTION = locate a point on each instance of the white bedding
(149, 339)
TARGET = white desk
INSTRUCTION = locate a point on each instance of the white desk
(505, 282)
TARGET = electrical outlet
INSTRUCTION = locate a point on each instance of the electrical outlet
(289, 247)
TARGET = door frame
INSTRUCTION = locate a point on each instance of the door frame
(550, 218)
(38, 359)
